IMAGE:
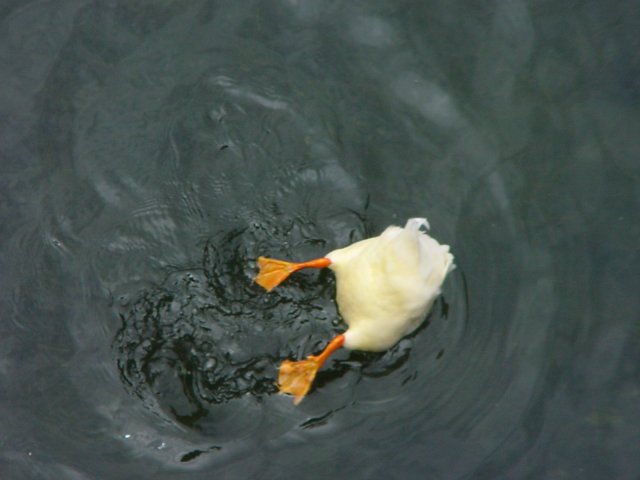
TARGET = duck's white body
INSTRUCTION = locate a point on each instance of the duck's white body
(386, 285)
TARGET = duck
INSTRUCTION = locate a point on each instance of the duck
(385, 287)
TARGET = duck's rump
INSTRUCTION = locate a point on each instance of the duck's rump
(387, 284)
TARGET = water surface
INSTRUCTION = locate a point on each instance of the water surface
(150, 151)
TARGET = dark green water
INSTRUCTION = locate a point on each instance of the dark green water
(151, 150)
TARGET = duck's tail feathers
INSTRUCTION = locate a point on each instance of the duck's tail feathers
(417, 223)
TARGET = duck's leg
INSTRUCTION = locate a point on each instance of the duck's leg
(273, 272)
(296, 378)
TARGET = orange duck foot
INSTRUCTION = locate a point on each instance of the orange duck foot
(273, 272)
(296, 378)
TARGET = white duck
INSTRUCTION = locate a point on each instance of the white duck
(386, 285)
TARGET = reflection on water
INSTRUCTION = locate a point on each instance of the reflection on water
(150, 152)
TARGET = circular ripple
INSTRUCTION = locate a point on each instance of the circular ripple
(207, 336)
(209, 340)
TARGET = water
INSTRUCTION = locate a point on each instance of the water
(150, 151)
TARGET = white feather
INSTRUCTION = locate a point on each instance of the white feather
(386, 285)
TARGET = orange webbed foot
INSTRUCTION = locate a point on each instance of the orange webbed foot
(296, 378)
(273, 272)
